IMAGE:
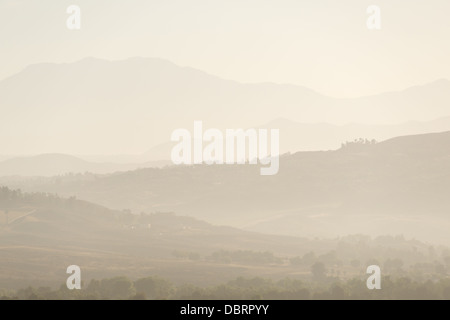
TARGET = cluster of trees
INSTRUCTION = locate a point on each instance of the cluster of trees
(357, 143)
(16, 198)
(394, 254)
(290, 289)
(244, 288)
(339, 262)
(118, 288)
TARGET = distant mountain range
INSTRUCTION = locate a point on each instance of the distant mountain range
(96, 106)
(396, 186)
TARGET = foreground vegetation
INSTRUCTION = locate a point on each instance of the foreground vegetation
(41, 234)
(393, 287)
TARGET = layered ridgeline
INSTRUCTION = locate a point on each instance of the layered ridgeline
(42, 234)
(58, 164)
(96, 106)
(399, 186)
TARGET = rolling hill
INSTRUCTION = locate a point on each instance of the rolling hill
(396, 186)
(61, 164)
(298, 136)
(42, 234)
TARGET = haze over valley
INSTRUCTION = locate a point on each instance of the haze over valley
(224, 149)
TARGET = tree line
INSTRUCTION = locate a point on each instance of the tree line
(157, 288)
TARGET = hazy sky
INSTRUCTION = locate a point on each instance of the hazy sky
(321, 44)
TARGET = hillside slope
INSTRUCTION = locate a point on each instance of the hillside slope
(399, 185)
